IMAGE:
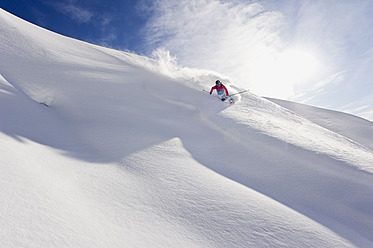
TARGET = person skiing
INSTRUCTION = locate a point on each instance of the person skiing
(220, 88)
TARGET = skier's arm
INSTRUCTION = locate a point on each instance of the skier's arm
(226, 91)
(212, 88)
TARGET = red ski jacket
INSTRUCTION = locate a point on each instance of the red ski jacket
(218, 88)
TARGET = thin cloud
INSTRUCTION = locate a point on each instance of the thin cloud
(81, 12)
(245, 39)
(361, 107)
(73, 10)
(341, 31)
(223, 36)
(39, 16)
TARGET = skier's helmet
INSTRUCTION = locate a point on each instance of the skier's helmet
(218, 82)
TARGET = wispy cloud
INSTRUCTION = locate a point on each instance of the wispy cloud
(247, 40)
(86, 12)
(341, 31)
(362, 107)
(39, 16)
(224, 36)
(73, 10)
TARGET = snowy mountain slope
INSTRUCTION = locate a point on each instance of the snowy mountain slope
(350, 126)
(125, 156)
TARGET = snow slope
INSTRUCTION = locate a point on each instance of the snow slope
(350, 126)
(98, 148)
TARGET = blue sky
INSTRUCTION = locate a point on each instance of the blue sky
(114, 23)
(318, 52)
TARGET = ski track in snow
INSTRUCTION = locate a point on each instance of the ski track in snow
(99, 149)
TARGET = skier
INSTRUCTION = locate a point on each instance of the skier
(219, 87)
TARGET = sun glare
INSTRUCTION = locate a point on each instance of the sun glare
(276, 74)
(298, 65)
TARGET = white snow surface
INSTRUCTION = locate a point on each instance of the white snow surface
(105, 148)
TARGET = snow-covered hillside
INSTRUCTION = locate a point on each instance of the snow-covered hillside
(104, 148)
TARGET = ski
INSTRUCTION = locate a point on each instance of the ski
(243, 91)
(223, 98)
